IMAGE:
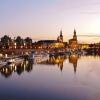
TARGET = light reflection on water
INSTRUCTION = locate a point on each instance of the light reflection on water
(61, 77)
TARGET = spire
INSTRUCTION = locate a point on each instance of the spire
(74, 32)
(60, 38)
(61, 33)
(74, 36)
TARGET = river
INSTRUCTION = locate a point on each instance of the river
(59, 78)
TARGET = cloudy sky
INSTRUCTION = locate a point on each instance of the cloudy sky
(43, 19)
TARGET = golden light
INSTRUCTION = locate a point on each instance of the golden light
(6, 55)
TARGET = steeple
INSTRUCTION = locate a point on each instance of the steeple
(74, 32)
(61, 33)
(74, 36)
(60, 37)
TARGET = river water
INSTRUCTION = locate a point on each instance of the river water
(59, 78)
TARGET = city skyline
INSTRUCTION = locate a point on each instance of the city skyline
(44, 19)
(88, 38)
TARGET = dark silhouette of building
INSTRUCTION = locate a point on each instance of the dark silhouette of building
(75, 36)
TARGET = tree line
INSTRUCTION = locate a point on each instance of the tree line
(17, 42)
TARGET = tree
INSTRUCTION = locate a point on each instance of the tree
(28, 41)
(6, 40)
(19, 41)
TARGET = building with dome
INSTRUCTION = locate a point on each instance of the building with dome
(58, 43)
(60, 38)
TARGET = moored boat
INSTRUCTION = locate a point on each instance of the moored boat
(39, 57)
(18, 60)
(3, 63)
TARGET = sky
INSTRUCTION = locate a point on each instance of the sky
(43, 19)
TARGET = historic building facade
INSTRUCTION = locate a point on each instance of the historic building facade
(73, 43)
(51, 43)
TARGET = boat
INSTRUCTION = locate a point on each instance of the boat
(3, 63)
(12, 60)
(18, 60)
(39, 57)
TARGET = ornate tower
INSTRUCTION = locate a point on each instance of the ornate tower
(75, 36)
(60, 33)
(61, 36)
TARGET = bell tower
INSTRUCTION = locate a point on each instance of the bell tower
(75, 36)
(61, 36)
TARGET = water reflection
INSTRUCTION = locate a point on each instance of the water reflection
(59, 60)
(27, 66)
(74, 59)
(8, 70)
(54, 79)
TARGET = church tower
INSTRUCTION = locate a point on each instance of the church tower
(75, 36)
(73, 43)
(60, 38)
(61, 33)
